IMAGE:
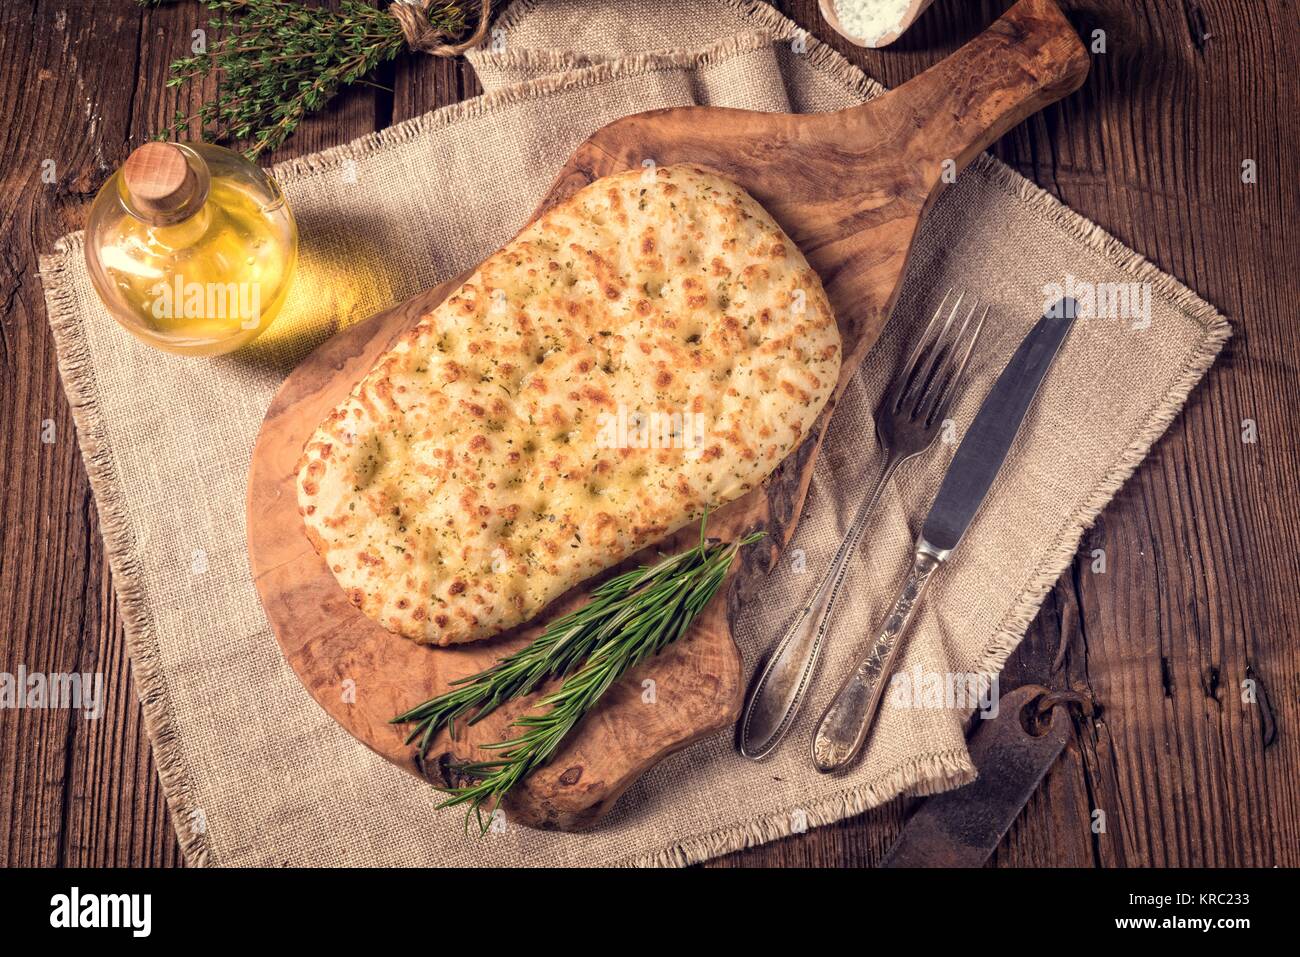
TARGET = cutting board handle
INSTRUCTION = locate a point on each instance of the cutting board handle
(1026, 60)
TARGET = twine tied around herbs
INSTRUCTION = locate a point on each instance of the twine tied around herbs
(423, 36)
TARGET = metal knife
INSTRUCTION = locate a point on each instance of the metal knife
(844, 726)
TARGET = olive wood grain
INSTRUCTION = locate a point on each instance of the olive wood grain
(850, 188)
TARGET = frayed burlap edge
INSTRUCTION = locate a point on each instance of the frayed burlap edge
(1216, 330)
(925, 774)
(576, 75)
(78, 375)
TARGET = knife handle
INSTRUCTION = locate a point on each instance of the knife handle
(844, 725)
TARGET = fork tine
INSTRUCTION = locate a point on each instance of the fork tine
(937, 376)
(928, 340)
(936, 360)
(902, 382)
(946, 383)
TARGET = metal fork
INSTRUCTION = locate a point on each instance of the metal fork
(907, 422)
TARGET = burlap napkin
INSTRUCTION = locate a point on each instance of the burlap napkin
(257, 774)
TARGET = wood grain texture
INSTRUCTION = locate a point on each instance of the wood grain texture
(1201, 588)
(852, 201)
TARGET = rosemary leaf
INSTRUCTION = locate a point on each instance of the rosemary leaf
(629, 618)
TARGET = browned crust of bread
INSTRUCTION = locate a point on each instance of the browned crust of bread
(469, 479)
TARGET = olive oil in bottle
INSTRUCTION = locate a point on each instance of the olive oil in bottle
(191, 247)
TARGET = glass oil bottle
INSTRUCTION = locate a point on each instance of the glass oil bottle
(191, 247)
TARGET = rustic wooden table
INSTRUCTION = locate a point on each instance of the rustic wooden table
(1201, 588)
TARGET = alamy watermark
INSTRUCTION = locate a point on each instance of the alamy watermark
(629, 429)
(938, 690)
(78, 909)
(179, 299)
(1129, 301)
(39, 690)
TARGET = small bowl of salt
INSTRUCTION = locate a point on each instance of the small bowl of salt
(872, 23)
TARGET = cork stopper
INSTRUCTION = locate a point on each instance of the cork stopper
(159, 181)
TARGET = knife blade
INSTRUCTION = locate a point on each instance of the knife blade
(987, 442)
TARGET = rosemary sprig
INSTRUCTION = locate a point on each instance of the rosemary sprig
(629, 618)
(282, 59)
(567, 642)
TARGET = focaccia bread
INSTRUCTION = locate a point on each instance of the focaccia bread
(653, 346)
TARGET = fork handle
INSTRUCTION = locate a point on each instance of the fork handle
(779, 688)
(847, 721)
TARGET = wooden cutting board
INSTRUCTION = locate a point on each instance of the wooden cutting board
(850, 188)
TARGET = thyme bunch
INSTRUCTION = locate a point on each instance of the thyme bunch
(279, 60)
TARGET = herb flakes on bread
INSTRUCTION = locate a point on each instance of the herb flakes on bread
(651, 347)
